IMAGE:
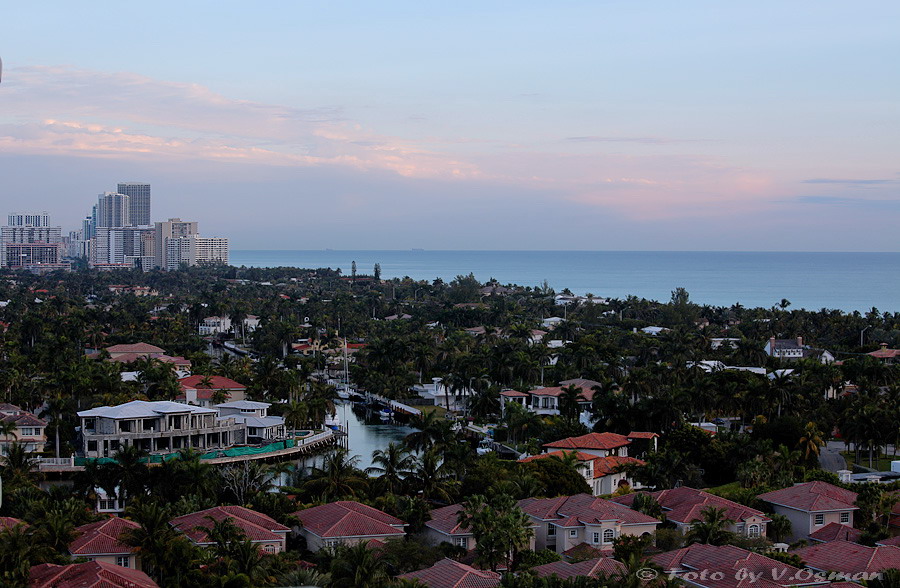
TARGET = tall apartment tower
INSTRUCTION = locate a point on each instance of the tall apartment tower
(29, 219)
(174, 228)
(139, 202)
(113, 210)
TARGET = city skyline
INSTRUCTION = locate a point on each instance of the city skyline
(502, 126)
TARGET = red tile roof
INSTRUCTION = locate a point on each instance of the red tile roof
(102, 538)
(605, 441)
(895, 541)
(727, 566)
(256, 526)
(579, 455)
(836, 532)
(93, 574)
(142, 348)
(685, 505)
(592, 568)
(582, 509)
(641, 435)
(604, 466)
(216, 383)
(347, 518)
(849, 558)
(557, 391)
(514, 394)
(452, 574)
(10, 522)
(812, 497)
(444, 520)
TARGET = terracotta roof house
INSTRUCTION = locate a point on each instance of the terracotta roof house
(131, 352)
(452, 574)
(346, 522)
(836, 532)
(727, 566)
(849, 558)
(885, 354)
(264, 531)
(603, 474)
(93, 574)
(598, 444)
(545, 401)
(199, 391)
(9, 523)
(591, 568)
(812, 505)
(103, 541)
(566, 521)
(30, 430)
(444, 528)
(683, 506)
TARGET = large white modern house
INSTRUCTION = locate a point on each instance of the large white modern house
(157, 427)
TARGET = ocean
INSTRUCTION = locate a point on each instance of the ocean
(845, 281)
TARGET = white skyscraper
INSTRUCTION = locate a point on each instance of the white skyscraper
(139, 202)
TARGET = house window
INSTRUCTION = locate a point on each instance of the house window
(461, 542)
(92, 446)
(332, 542)
(740, 528)
(269, 548)
(26, 432)
(573, 532)
(123, 560)
(551, 531)
(820, 519)
(753, 531)
(107, 505)
(595, 538)
(845, 517)
(608, 536)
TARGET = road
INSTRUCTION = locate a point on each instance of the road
(830, 457)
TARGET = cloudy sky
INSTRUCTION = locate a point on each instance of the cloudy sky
(615, 125)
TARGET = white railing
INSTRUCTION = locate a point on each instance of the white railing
(397, 405)
(56, 461)
(315, 438)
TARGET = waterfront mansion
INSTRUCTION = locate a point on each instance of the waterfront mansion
(163, 427)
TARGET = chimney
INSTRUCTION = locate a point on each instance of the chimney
(772, 346)
(884, 345)
(799, 341)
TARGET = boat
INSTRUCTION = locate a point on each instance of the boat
(385, 413)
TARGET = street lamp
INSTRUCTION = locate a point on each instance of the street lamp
(861, 333)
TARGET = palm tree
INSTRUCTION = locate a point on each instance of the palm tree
(713, 529)
(295, 415)
(779, 527)
(569, 400)
(392, 466)
(431, 478)
(811, 442)
(358, 567)
(337, 477)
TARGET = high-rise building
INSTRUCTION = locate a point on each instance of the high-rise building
(29, 242)
(113, 210)
(138, 203)
(194, 249)
(29, 219)
(171, 229)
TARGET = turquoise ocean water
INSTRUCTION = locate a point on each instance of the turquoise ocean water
(846, 281)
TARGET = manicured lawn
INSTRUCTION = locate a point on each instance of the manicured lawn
(881, 464)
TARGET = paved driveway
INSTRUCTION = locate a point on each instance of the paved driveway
(830, 457)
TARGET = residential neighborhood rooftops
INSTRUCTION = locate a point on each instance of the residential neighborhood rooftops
(812, 497)
(143, 409)
(836, 532)
(9, 523)
(591, 441)
(93, 574)
(447, 573)
(592, 568)
(256, 526)
(134, 348)
(103, 537)
(513, 394)
(685, 505)
(582, 509)
(214, 383)
(347, 518)
(445, 520)
(848, 557)
(728, 560)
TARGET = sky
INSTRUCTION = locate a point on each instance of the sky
(597, 125)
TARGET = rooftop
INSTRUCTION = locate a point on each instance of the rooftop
(452, 574)
(685, 505)
(347, 518)
(143, 409)
(592, 441)
(812, 497)
(93, 574)
(256, 526)
(103, 537)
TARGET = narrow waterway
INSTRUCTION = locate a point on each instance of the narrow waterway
(366, 432)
